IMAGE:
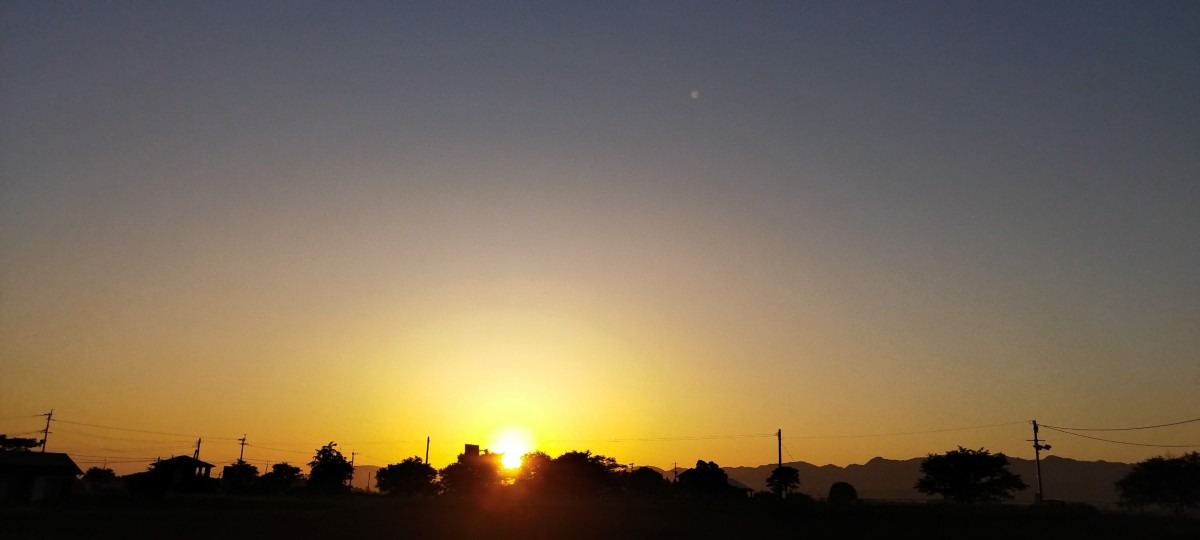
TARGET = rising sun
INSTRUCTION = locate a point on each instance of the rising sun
(513, 443)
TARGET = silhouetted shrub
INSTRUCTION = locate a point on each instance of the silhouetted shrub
(842, 493)
(783, 480)
(282, 477)
(707, 479)
(966, 475)
(408, 478)
(330, 471)
(99, 479)
(471, 474)
(1171, 483)
(239, 477)
(647, 482)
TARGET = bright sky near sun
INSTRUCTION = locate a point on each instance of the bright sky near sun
(640, 228)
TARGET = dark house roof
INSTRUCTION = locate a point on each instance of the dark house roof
(39, 463)
(183, 462)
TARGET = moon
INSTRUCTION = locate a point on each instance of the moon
(695, 94)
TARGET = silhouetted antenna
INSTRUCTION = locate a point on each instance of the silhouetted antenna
(46, 431)
(196, 454)
(427, 450)
(1037, 459)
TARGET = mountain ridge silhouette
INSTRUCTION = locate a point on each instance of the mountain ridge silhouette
(881, 478)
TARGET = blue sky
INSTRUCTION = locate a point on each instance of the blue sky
(944, 213)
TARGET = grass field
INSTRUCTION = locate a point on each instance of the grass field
(223, 518)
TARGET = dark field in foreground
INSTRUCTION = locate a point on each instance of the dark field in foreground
(375, 517)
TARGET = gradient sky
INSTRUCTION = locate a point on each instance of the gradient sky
(373, 222)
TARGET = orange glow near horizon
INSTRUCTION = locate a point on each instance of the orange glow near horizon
(418, 248)
(513, 443)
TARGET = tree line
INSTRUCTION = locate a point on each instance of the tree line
(962, 475)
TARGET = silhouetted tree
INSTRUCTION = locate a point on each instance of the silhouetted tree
(471, 475)
(1171, 483)
(841, 493)
(408, 478)
(579, 473)
(966, 475)
(240, 476)
(783, 480)
(535, 466)
(18, 443)
(706, 479)
(99, 479)
(282, 477)
(99, 475)
(647, 481)
(329, 471)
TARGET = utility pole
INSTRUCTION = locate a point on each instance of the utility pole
(196, 454)
(779, 452)
(675, 468)
(242, 450)
(1037, 458)
(352, 454)
(46, 432)
(779, 439)
(427, 450)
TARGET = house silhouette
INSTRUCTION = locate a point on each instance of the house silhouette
(36, 476)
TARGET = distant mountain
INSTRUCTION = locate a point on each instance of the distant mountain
(1063, 478)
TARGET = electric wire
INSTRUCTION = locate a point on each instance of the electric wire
(107, 437)
(155, 445)
(143, 430)
(667, 439)
(30, 432)
(19, 417)
(1124, 442)
(897, 434)
(308, 452)
(1126, 428)
(130, 458)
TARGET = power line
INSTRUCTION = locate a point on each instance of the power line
(126, 458)
(98, 436)
(279, 450)
(111, 461)
(6, 418)
(30, 432)
(160, 448)
(947, 430)
(1124, 442)
(142, 430)
(1126, 428)
(668, 439)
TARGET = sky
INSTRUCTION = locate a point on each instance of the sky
(660, 231)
